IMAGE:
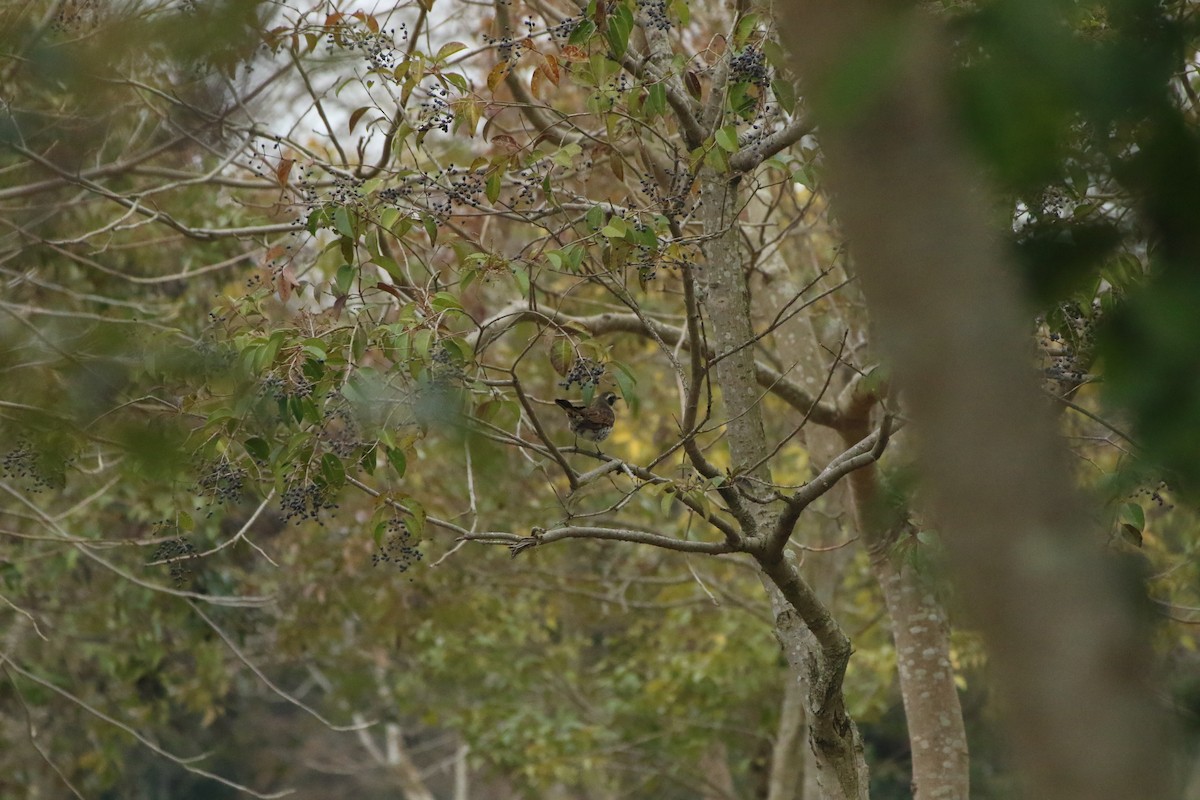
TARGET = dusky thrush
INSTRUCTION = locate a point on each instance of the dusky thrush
(592, 422)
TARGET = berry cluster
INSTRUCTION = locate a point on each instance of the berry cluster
(446, 368)
(307, 186)
(671, 200)
(750, 66)
(379, 48)
(644, 258)
(304, 499)
(654, 12)
(461, 186)
(346, 190)
(585, 372)
(434, 113)
(1069, 356)
(393, 195)
(221, 481)
(178, 552)
(564, 29)
(76, 15)
(505, 48)
(1154, 495)
(340, 432)
(41, 470)
(285, 387)
(1056, 203)
(529, 183)
(399, 547)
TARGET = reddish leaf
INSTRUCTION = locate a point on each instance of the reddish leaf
(285, 283)
(506, 143)
(283, 170)
(498, 73)
(618, 168)
(357, 115)
(550, 67)
(573, 52)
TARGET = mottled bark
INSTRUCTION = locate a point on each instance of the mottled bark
(715, 773)
(816, 647)
(785, 780)
(936, 731)
(921, 634)
(1070, 655)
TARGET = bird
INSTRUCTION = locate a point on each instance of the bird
(592, 422)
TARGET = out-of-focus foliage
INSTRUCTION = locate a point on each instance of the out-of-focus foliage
(1103, 162)
(285, 291)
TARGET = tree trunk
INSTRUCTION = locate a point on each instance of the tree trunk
(785, 780)
(920, 631)
(816, 648)
(1071, 657)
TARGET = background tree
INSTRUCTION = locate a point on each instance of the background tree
(293, 292)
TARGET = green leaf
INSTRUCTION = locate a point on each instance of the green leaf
(344, 279)
(316, 349)
(776, 56)
(390, 267)
(785, 93)
(431, 228)
(574, 254)
(332, 471)
(744, 30)
(398, 460)
(319, 218)
(1131, 534)
(656, 100)
(422, 343)
(562, 354)
(627, 382)
(257, 448)
(680, 9)
(521, 277)
(567, 155)
(727, 138)
(715, 158)
(443, 301)
(493, 185)
(582, 32)
(594, 218)
(342, 223)
(449, 49)
(615, 229)
(620, 25)
(1133, 514)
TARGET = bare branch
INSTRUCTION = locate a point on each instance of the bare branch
(539, 537)
(7, 663)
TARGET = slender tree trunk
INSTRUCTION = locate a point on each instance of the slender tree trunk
(785, 779)
(816, 648)
(936, 731)
(921, 633)
(715, 772)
